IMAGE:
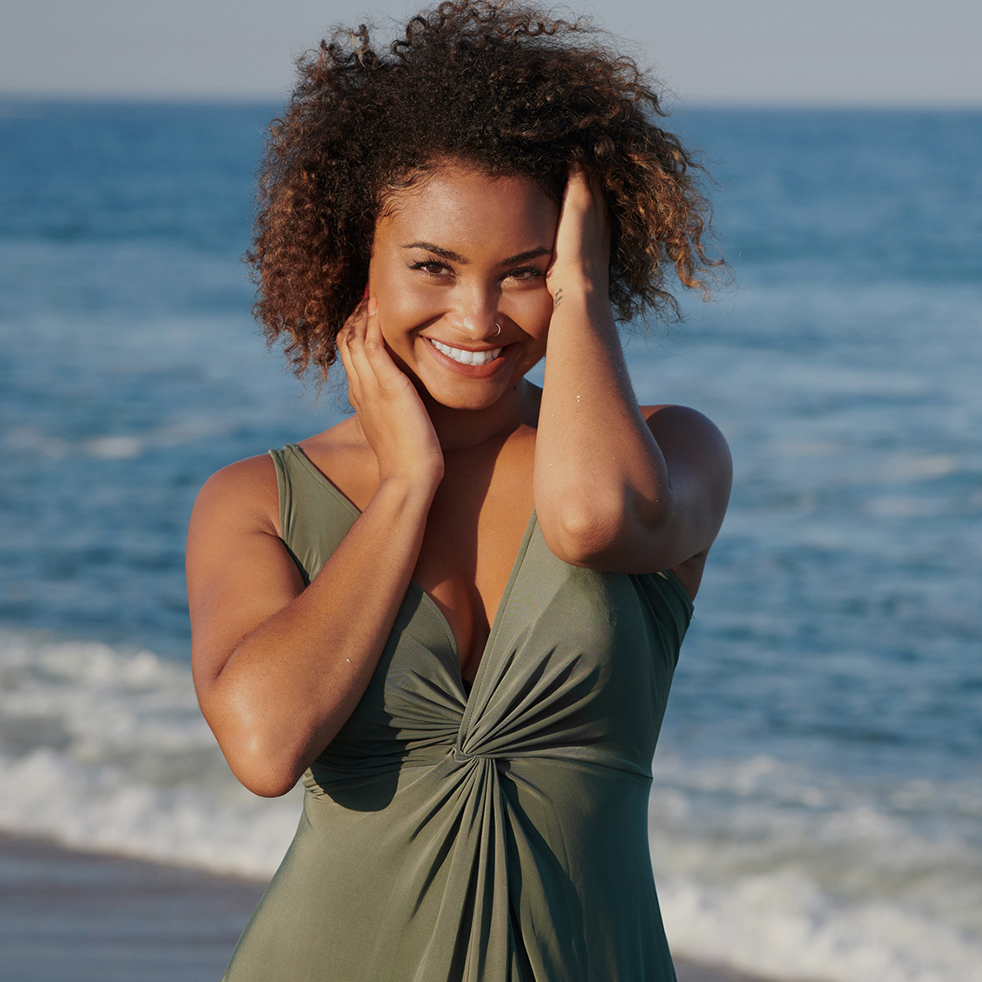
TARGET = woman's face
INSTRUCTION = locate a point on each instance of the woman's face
(454, 257)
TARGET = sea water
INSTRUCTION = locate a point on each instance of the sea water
(817, 804)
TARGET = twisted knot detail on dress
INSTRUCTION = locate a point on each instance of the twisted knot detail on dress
(495, 835)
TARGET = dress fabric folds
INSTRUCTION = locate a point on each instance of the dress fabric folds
(496, 835)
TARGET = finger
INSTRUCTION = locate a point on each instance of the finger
(583, 193)
(354, 385)
(371, 337)
(577, 183)
(375, 350)
(363, 373)
(354, 328)
(347, 341)
(342, 344)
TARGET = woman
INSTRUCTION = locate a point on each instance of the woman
(456, 614)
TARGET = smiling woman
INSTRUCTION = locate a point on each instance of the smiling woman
(455, 615)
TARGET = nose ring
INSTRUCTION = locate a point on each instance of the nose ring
(498, 331)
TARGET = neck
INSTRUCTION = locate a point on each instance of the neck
(462, 429)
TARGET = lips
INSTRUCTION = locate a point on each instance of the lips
(464, 357)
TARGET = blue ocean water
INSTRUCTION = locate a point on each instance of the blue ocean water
(818, 806)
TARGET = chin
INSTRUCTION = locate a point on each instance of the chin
(468, 398)
(472, 403)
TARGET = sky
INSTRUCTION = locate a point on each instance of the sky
(720, 52)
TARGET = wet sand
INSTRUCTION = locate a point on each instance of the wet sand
(86, 917)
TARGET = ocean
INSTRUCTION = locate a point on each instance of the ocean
(817, 802)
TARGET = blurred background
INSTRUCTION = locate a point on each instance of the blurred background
(817, 805)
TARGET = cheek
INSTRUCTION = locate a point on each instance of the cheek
(401, 304)
(403, 310)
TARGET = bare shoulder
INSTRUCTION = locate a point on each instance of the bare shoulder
(238, 571)
(698, 458)
(687, 433)
(685, 423)
(244, 494)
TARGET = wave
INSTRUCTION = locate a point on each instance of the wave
(104, 749)
(776, 869)
(761, 864)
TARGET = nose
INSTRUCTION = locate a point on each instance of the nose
(475, 312)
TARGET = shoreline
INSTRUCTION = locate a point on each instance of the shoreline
(68, 916)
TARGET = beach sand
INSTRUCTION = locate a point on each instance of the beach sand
(87, 917)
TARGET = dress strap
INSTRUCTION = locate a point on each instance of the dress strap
(314, 515)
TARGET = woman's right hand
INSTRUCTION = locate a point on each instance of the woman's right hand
(390, 412)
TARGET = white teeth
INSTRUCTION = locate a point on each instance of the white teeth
(467, 357)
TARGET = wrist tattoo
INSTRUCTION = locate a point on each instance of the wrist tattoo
(557, 299)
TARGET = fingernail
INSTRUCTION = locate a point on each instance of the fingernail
(372, 305)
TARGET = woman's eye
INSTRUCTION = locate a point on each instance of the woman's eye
(526, 273)
(431, 266)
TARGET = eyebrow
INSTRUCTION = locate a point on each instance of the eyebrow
(521, 257)
(445, 253)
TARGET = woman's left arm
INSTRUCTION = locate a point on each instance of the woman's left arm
(615, 487)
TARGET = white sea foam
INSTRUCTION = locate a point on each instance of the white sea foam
(780, 871)
(30, 441)
(759, 863)
(106, 750)
(116, 447)
(784, 925)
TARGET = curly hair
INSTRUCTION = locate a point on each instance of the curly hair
(493, 83)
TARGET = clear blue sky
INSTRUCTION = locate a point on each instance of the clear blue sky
(895, 52)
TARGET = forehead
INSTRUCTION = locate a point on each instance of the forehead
(456, 205)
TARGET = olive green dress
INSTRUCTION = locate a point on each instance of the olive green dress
(492, 835)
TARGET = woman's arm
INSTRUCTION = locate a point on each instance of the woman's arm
(278, 668)
(615, 487)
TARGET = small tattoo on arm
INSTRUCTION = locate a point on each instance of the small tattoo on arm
(557, 299)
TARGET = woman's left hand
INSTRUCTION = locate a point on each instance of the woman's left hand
(581, 255)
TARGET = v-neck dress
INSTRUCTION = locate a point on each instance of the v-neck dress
(496, 835)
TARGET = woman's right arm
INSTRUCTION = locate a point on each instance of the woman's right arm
(279, 668)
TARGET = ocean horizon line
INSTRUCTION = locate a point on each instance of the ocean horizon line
(674, 101)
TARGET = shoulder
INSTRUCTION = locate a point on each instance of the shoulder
(233, 532)
(247, 491)
(668, 419)
(694, 439)
(699, 461)
(243, 493)
(343, 456)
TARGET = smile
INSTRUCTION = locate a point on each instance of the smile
(464, 357)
